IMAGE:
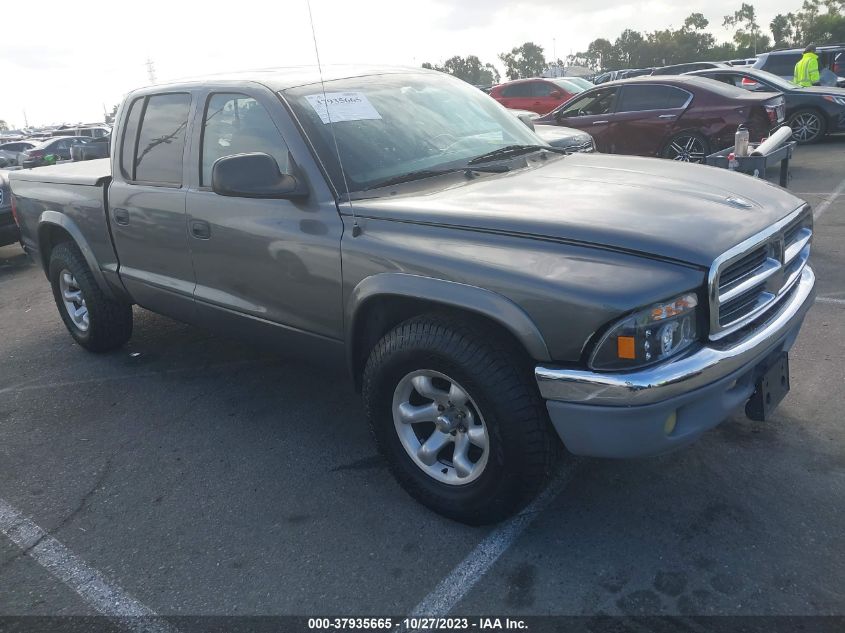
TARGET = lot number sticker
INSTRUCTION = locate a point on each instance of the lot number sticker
(343, 106)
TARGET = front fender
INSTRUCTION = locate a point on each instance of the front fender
(484, 302)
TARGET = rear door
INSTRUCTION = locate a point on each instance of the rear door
(647, 116)
(518, 96)
(593, 112)
(147, 204)
(270, 267)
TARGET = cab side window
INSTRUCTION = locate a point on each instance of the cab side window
(238, 124)
(161, 140)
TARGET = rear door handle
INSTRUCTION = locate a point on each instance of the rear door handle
(121, 216)
(600, 122)
(200, 229)
(667, 116)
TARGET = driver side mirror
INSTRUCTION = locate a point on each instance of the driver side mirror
(254, 175)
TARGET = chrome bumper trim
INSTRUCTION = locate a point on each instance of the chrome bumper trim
(676, 377)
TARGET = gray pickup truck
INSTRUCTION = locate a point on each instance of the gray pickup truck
(490, 296)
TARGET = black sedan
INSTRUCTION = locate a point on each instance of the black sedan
(58, 147)
(811, 112)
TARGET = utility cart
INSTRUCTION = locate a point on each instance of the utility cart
(757, 165)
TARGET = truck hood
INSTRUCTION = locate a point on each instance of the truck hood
(649, 206)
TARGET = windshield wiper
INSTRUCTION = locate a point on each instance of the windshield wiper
(419, 174)
(514, 150)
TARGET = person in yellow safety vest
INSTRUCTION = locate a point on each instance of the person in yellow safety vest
(807, 68)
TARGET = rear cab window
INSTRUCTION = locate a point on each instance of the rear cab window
(153, 143)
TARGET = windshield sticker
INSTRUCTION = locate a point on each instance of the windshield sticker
(343, 106)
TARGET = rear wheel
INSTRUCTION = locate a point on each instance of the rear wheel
(95, 321)
(458, 419)
(687, 147)
(808, 126)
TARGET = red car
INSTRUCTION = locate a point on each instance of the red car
(538, 95)
(682, 118)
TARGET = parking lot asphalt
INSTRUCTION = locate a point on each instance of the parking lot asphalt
(201, 476)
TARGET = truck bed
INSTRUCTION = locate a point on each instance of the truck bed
(69, 199)
(90, 172)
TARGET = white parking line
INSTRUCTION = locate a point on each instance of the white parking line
(825, 205)
(839, 302)
(458, 582)
(107, 598)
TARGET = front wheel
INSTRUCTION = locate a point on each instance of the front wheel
(808, 126)
(95, 321)
(456, 416)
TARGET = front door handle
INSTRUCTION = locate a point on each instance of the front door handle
(600, 122)
(200, 229)
(667, 116)
(121, 216)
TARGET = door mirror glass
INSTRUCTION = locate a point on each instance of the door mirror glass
(254, 175)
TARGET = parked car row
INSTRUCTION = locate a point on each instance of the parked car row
(778, 62)
(811, 111)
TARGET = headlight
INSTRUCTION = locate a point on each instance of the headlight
(648, 336)
(838, 100)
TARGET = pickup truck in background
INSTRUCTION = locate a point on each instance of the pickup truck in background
(489, 294)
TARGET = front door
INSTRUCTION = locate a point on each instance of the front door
(268, 267)
(592, 112)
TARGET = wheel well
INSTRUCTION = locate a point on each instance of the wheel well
(381, 314)
(50, 236)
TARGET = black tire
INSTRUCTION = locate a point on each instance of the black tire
(808, 126)
(522, 446)
(109, 322)
(678, 148)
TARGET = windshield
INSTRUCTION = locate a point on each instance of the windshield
(580, 81)
(389, 125)
(568, 85)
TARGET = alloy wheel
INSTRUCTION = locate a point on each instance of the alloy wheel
(440, 427)
(686, 149)
(806, 126)
(74, 301)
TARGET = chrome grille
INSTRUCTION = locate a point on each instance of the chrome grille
(748, 280)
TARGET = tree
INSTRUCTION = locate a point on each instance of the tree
(747, 36)
(781, 26)
(524, 61)
(470, 69)
(4, 127)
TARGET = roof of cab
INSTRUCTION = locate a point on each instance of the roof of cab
(283, 78)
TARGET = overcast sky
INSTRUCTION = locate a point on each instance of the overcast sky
(60, 68)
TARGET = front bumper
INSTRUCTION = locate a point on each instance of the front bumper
(625, 414)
